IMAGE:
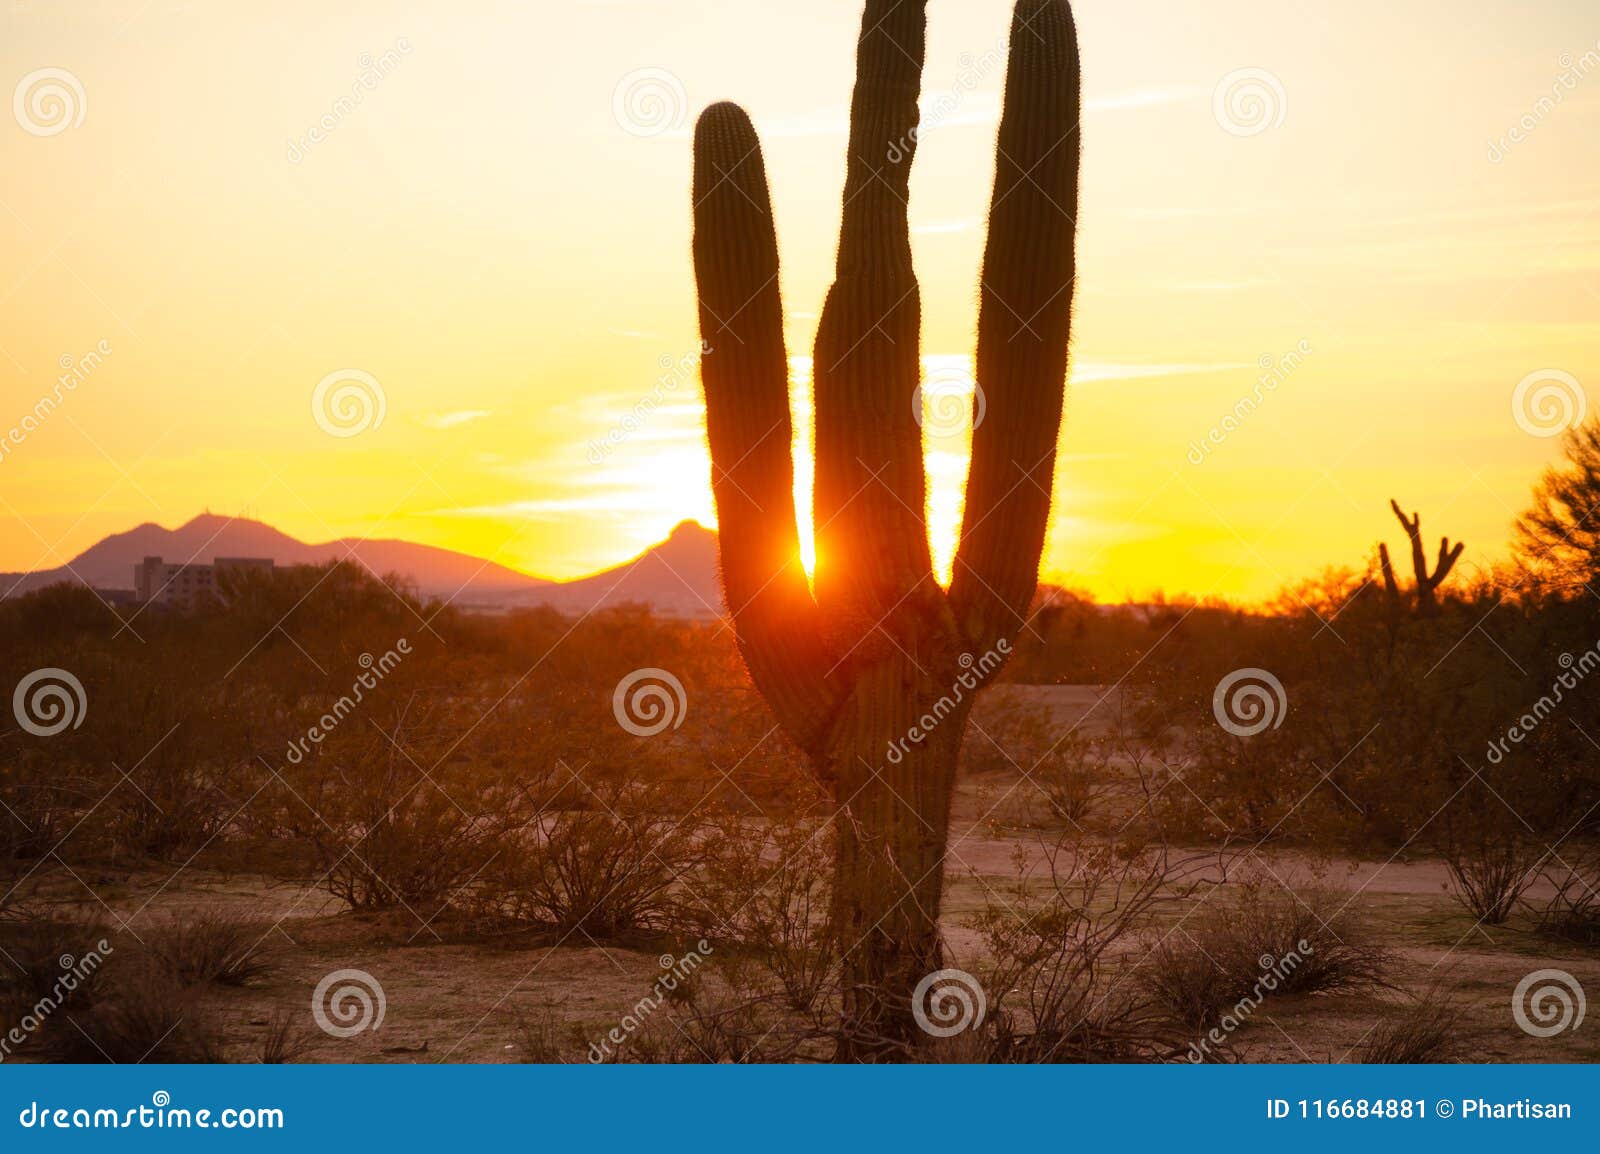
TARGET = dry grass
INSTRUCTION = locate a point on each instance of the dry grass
(207, 947)
(1427, 1031)
(286, 1039)
(1270, 942)
(143, 1015)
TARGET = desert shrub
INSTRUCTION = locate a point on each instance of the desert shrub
(1426, 1031)
(1573, 911)
(613, 872)
(46, 965)
(1266, 941)
(208, 947)
(1075, 777)
(724, 1025)
(1492, 864)
(766, 896)
(390, 819)
(542, 1039)
(38, 806)
(1062, 938)
(142, 1015)
(285, 1040)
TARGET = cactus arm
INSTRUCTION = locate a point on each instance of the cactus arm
(1391, 587)
(1448, 556)
(745, 374)
(883, 136)
(1024, 326)
(870, 492)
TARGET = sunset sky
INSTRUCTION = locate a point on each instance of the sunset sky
(497, 236)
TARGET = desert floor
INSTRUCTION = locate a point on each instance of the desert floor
(453, 996)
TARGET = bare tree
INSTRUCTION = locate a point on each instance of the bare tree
(1558, 538)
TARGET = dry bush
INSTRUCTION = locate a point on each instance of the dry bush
(142, 1015)
(767, 892)
(1573, 911)
(1074, 783)
(614, 872)
(1267, 941)
(542, 1039)
(285, 1039)
(390, 825)
(724, 1025)
(1491, 864)
(1061, 940)
(46, 963)
(1427, 1031)
(209, 947)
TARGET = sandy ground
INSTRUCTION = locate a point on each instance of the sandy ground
(448, 1000)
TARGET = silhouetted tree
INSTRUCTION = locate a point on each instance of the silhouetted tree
(1558, 538)
(856, 673)
(1427, 584)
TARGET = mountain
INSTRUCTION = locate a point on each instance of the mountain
(109, 564)
(679, 575)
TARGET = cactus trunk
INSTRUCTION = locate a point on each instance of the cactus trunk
(893, 827)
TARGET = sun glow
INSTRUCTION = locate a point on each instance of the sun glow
(944, 409)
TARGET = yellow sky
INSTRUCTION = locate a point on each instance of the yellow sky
(496, 235)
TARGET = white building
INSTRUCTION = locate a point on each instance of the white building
(184, 585)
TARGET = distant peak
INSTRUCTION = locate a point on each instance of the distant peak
(689, 529)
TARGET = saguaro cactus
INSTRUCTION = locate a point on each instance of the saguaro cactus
(854, 672)
(1427, 601)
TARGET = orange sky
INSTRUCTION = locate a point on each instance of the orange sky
(498, 236)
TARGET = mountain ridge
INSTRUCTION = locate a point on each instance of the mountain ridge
(678, 574)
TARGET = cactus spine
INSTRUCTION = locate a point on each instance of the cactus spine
(852, 671)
